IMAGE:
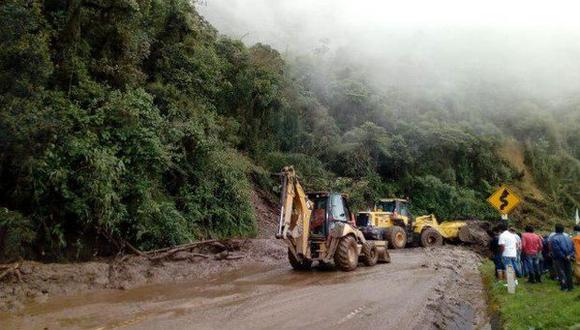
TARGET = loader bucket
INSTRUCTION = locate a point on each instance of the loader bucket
(384, 256)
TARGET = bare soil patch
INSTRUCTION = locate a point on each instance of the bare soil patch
(267, 213)
(40, 281)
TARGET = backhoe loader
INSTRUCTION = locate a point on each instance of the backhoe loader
(319, 227)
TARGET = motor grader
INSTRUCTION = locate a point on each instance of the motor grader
(319, 227)
(391, 220)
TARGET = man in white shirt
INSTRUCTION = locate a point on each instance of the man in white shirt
(519, 246)
(508, 244)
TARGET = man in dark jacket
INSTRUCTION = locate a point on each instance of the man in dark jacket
(563, 254)
(496, 254)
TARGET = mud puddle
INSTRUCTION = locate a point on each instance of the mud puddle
(145, 297)
(167, 299)
(418, 290)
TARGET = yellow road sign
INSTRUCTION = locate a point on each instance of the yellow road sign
(504, 200)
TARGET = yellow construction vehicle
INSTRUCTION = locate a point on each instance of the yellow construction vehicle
(390, 219)
(319, 227)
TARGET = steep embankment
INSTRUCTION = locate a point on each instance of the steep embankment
(534, 206)
(266, 211)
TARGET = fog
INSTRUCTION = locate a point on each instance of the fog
(531, 46)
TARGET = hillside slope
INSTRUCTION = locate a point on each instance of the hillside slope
(536, 208)
(137, 122)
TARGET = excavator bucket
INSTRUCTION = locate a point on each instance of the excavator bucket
(294, 223)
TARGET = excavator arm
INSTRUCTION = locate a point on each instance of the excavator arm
(295, 211)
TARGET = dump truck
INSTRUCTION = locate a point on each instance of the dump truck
(391, 220)
(319, 227)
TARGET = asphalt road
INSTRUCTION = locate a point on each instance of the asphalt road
(410, 293)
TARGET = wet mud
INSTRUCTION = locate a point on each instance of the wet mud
(420, 289)
(43, 281)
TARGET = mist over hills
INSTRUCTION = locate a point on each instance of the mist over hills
(146, 122)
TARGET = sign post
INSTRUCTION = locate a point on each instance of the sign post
(504, 200)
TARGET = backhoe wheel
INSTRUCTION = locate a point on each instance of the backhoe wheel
(430, 237)
(298, 265)
(346, 256)
(325, 266)
(397, 237)
(369, 254)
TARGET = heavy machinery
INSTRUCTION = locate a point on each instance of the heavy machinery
(319, 226)
(391, 220)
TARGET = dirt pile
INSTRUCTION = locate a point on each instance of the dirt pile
(458, 300)
(475, 235)
(267, 213)
(39, 281)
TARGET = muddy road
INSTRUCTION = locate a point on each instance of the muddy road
(420, 289)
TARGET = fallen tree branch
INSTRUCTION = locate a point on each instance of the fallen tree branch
(199, 255)
(190, 257)
(134, 249)
(179, 248)
(235, 257)
(163, 253)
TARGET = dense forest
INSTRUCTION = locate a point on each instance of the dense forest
(136, 121)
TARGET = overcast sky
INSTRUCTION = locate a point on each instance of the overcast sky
(534, 43)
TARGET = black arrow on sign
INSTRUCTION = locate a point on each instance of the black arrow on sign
(503, 199)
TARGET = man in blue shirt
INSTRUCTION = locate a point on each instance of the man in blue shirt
(563, 254)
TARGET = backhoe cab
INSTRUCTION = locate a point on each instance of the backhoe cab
(319, 227)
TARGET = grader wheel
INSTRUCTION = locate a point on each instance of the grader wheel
(397, 237)
(346, 256)
(431, 237)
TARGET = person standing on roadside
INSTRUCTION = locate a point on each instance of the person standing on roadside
(531, 249)
(519, 264)
(576, 241)
(563, 255)
(508, 244)
(496, 254)
(547, 266)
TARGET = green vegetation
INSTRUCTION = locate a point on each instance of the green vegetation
(533, 306)
(137, 120)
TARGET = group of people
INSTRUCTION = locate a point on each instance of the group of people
(531, 255)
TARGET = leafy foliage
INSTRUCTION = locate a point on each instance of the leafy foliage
(116, 135)
(136, 120)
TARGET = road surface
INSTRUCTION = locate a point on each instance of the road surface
(420, 289)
